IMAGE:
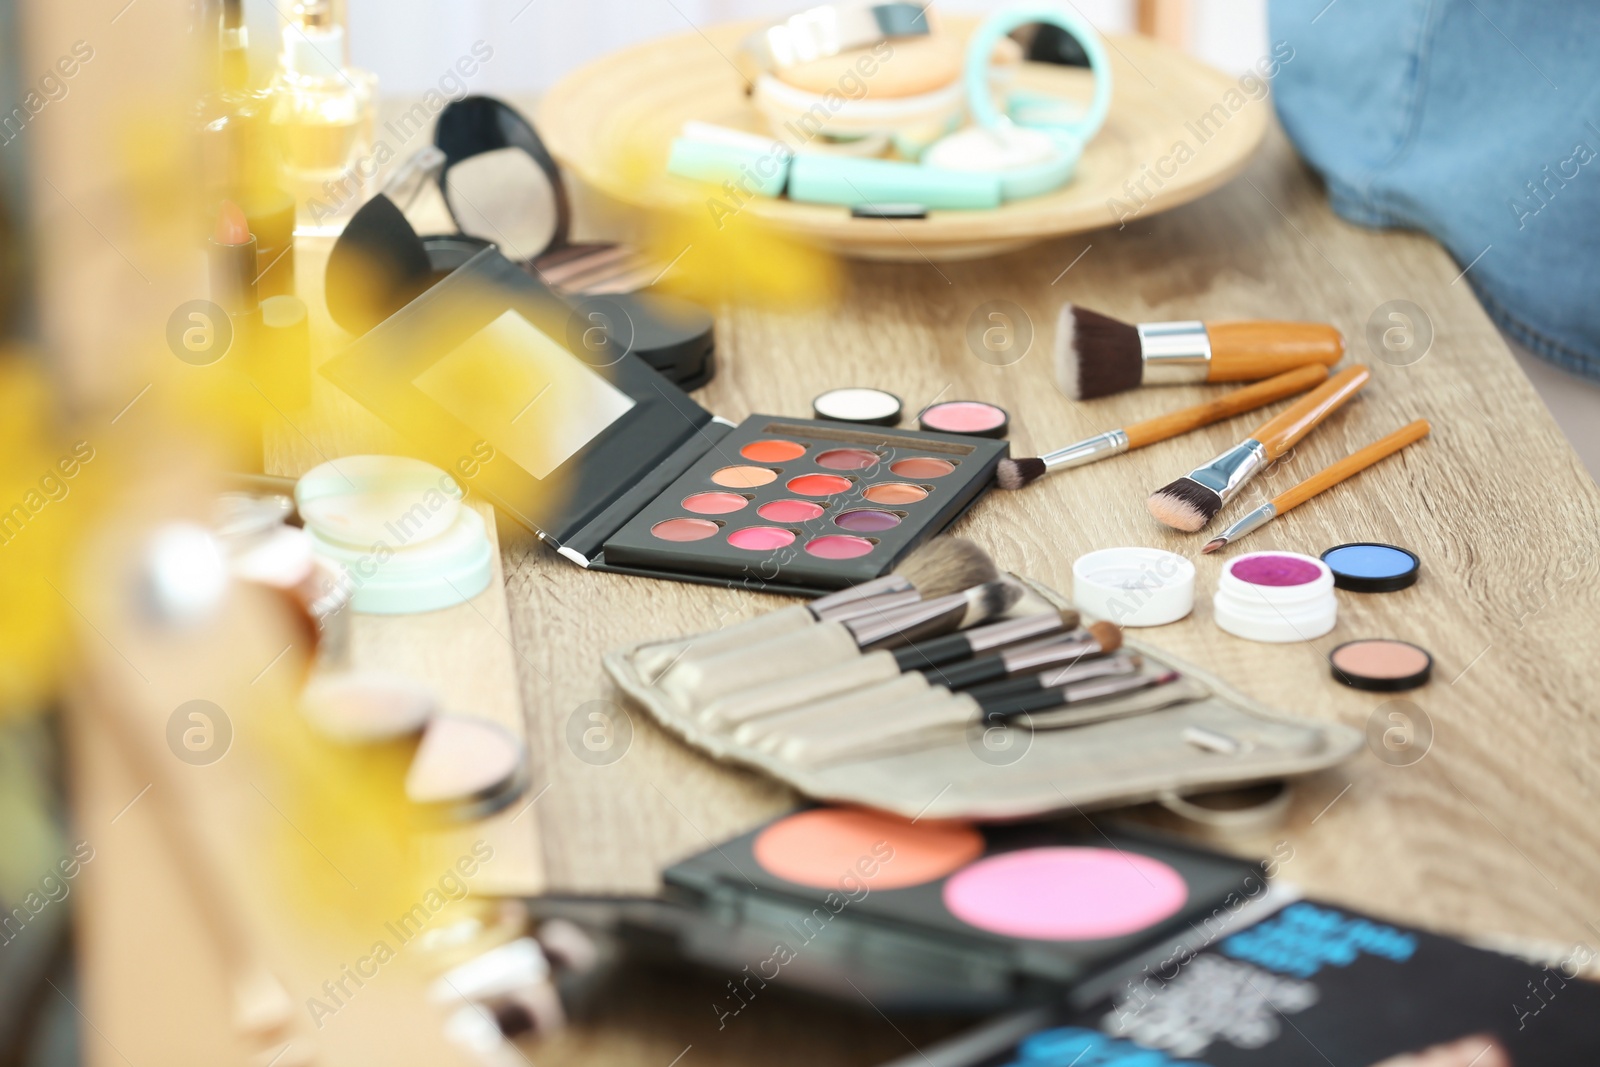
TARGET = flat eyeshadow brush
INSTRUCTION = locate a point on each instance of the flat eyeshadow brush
(1097, 355)
(1323, 480)
(965, 644)
(1016, 473)
(943, 566)
(1100, 639)
(1047, 698)
(697, 683)
(1190, 502)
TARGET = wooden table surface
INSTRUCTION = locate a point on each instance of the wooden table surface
(1490, 832)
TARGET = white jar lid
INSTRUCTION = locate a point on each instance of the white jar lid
(364, 500)
(1133, 586)
(389, 579)
(1277, 597)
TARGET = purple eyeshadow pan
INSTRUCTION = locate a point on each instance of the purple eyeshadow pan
(868, 520)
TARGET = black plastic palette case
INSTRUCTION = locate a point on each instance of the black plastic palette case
(982, 913)
(619, 470)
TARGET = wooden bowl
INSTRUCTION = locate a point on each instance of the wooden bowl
(1177, 129)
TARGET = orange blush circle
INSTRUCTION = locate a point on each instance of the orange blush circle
(819, 847)
(770, 451)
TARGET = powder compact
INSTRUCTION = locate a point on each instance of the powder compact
(1381, 665)
(619, 470)
(1017, 908)
(975, 417)
(1372, 567)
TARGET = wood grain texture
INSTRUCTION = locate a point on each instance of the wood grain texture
(613, 122)
(1246, 351)
(1234, 402)
(1490, 831)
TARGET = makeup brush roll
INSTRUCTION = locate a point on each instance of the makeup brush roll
(851, 730)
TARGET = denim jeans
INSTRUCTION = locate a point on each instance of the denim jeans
(1476, 121)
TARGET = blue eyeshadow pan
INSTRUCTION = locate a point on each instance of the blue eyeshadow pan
(1372, 567)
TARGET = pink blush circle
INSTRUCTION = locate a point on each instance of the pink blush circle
(760, 538)
(1065, 894)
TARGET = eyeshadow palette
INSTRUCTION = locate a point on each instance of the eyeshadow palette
(491, 375)
(801, 502)
(1036, 905)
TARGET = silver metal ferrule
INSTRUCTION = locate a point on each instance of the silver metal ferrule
(1109, 667)
(1175, 353)
(1107, 687)
(1010, 631)
(1090, 449)
(1253, 521)
(1228, 473)
(1046, 653)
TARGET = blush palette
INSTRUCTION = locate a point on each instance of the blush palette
(1031, 905)
(804, 503)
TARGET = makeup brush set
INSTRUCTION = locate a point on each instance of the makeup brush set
(920, 692)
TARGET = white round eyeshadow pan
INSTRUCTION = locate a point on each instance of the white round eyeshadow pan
(858, 404)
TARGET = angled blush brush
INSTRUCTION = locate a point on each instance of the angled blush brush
(1097, 355)
(1016, 473)
(1190, 502)
(1324, 479)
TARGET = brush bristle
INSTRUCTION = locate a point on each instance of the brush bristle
(1108, 635)
(1184, 505)
(1213, 544)
(1096, 355)
(989, 601)
(1016, 473)
(947, 565)
(1069, 620)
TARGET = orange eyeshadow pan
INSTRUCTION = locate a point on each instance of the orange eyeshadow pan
(814, 848)
(922, 467)
(820, 485)
(773, 451)
(895, 493)
(714, 503)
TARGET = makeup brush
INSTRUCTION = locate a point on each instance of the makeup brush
(938, 568)
(1097, 355)
(827, 738)
(1116, 663)
(1322, 480)
(865, 672)
(1194, 500)
(1016, 473)
(698, 682)
(1101, 638)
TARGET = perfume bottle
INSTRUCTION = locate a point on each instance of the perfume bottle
(324, 111)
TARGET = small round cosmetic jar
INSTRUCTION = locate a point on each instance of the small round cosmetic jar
(1278, 597)
(1133, 586)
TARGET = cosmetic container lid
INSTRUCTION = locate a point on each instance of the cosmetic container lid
(1372, 567)
(362, 501)
(1276, 597)
(1381, 665)
(1133, 586)
(400, 578)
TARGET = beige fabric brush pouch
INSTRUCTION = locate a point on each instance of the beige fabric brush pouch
(1191, 736)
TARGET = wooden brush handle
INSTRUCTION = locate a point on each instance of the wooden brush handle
(1283, 431)
(1350, 465)
(1249, 351)
(1237, 402)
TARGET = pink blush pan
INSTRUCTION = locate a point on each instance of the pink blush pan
(1065, 894)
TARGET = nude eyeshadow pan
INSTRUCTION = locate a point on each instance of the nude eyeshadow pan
(802, 505)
